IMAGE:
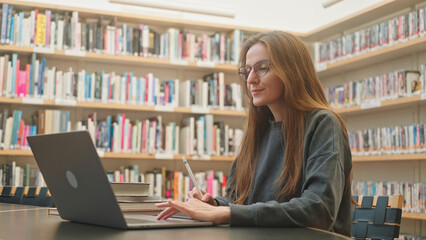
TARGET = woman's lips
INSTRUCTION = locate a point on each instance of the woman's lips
(256, 91)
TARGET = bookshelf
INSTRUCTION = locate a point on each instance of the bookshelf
(164, 68)
(408, 54)
(374, 57)
(370, 14)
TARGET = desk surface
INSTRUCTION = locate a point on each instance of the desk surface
(26, 222)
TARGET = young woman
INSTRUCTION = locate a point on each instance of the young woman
(294, 164)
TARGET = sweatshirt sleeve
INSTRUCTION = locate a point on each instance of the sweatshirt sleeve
(323, 182)
(224, 201)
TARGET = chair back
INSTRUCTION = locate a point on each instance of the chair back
(11, 194)
(377, 217)
(37, 196)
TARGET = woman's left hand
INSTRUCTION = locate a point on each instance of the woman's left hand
(197, 210)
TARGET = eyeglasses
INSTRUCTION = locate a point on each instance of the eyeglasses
(260, 68)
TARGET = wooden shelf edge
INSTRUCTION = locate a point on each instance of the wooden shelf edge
(10, 100)
(142, 156)
(102, 57)
(384, 104)
(16, 153)
(415, 216)
(239, 113)
(390, 157)
(131, 107)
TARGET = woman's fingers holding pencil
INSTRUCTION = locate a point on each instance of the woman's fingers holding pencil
(194, 193)
(207, 198)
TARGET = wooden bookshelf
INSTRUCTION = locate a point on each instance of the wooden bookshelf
(414, 216)
(384, 105)
(122, 60)
(378, 10)
(129, 107)
(389, 157)
(93, 57)
(381, 55)
(406, 54)
(141, 156)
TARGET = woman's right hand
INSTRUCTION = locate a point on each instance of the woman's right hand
(207, 198)
(170, 211)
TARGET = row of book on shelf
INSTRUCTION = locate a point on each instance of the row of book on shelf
(35, 81)
(370, 90)
(161, 182)
(398, 29)
(66, 30)
(194, 136)
(410, 237)
(413, 193)
(168, 184)
(402, 139)
(15, 175)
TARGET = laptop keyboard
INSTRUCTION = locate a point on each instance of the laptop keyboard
(133, 220)
(151, 219)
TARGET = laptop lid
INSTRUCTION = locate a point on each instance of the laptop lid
(74, 175)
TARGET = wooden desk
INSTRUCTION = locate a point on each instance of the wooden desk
(6, 207)
(26, 222)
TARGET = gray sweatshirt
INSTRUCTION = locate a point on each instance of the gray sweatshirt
(321, 200)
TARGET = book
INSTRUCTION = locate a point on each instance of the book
(413, 82)
(140, 207)
(130, 189)
(139, 199)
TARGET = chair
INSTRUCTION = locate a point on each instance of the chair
(37, 196)
(377, 217)
(11, 194)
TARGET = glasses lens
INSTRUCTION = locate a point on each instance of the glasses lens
(244, 72)
(261, 68)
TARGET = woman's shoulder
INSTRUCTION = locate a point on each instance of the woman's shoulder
(320, 115)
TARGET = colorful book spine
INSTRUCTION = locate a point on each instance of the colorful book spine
(41, 30)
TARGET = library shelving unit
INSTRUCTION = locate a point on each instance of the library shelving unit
(365, 16)
(166, 68)
(407, 55)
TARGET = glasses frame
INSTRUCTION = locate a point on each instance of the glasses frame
(244, 77)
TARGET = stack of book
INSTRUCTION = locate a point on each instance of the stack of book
(134, 198)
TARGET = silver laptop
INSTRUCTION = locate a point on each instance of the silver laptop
(80, 188)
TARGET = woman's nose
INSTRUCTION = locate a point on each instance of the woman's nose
(252, 77)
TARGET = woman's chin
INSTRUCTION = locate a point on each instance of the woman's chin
(258, 103)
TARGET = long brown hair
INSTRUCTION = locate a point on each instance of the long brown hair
(291, 62)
